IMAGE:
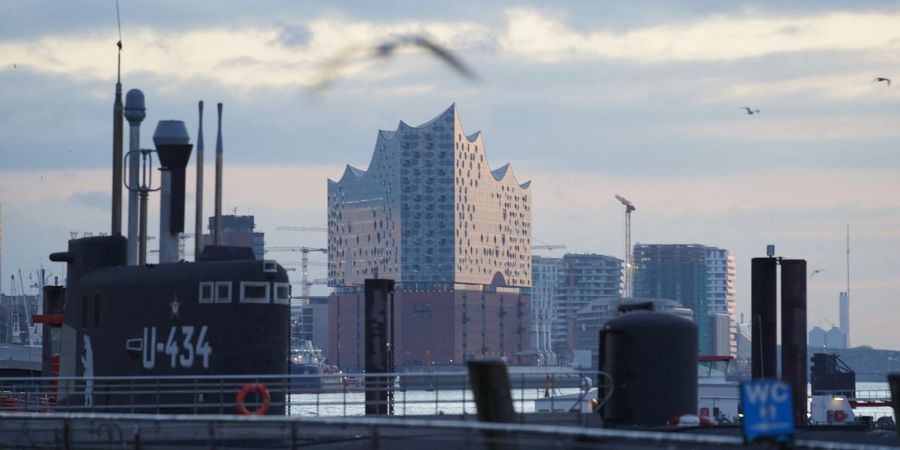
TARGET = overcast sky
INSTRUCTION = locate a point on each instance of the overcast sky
(587, 99)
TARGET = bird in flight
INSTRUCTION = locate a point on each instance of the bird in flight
(814, 272)
(387, 49)
(750, 111)
(882, 79)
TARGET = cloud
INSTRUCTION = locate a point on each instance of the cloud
(243, 57)
(546, 37)
(636, 100)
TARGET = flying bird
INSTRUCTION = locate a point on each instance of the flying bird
(814, 272)
(882, 79)
(385, 50)
(749, 110)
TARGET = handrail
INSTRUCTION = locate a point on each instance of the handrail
(289, 376)
(418, 393)
(374, 423)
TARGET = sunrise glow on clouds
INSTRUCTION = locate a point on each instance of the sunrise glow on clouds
(648, 110)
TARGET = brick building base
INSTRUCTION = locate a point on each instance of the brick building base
(436, 328)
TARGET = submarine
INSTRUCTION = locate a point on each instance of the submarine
(223, 318)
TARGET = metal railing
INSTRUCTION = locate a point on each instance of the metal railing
(859, 394)
(141, 431)
(319, 395)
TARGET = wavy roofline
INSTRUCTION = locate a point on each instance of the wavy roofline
(500, 174)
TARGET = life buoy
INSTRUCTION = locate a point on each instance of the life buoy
(242, 395)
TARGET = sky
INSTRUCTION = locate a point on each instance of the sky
(586, 99)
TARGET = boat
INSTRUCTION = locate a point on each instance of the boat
(306, 368)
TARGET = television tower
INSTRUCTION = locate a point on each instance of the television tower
(844, 303)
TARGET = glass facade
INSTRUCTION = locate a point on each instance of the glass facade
(429, 211)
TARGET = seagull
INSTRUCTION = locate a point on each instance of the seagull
(814, 272)
(750, 111)
(14, 65)
(880, 79)
(387, 49)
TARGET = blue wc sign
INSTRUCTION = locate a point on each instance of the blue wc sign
(768, 411)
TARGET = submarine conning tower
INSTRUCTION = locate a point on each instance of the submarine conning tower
(91, 253)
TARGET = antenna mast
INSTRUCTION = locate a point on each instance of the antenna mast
(198, 216)
(846, 308)
(848, 261)
(219, 239)
(118, 119)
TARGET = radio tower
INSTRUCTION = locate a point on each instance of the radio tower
(629, 265)
(845, 300)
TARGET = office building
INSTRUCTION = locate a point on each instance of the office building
(453, 234)
(546, 278)
(309, 322)
(238, 231)
(720, 292)
(720, 335)
(699, 277)
(585, 278)
(589, 320)
(744, 342)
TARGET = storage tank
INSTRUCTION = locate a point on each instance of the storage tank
(652, 359)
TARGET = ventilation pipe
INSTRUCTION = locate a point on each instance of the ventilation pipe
(174, 150)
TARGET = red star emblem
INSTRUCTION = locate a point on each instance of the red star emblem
(175, 308)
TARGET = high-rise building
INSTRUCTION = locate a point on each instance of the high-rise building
(238, 231)
(546, 279)
(700, 278)
(585, 278)
(720, 294)
(589, 320)
(453, 234)
(744, 334)
(720, 335)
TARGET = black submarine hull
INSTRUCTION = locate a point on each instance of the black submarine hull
(188, 334)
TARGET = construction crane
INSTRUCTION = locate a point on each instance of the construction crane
(313, 282)
(629, 264)
(286, 228)
(304, 263)
(546, 246)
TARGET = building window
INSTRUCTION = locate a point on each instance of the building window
(206, 292)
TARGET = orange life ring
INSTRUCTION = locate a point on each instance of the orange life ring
(242, 395)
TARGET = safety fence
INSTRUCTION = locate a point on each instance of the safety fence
(141, 431)
(319, 395)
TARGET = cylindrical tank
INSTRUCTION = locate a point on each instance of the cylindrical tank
(652, 359)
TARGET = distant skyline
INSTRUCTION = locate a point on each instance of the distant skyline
(587, 100)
